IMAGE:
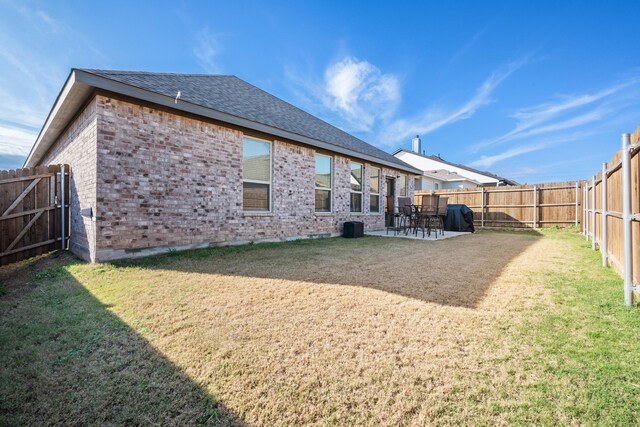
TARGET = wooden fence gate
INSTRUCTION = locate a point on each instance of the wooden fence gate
(34, 214)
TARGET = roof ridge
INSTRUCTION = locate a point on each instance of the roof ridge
(97, 70)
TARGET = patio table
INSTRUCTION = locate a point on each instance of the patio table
(401, 219)
(425, 214)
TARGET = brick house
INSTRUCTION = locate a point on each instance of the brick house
(177, 161)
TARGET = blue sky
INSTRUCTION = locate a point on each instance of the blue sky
(534, 91)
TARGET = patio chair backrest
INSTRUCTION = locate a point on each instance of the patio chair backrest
(442, 206)
(429, 205)
(404, 205)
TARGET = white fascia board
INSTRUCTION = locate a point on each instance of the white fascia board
(424, 164)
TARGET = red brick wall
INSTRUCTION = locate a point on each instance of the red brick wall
(77, 147)
(164, 180)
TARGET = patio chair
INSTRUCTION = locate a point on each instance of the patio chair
(409, 216)
(442, 212)
(401, 216)
(427, 214)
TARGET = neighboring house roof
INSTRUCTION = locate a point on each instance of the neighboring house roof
(458, 165)
(224, 98)
(445, 175)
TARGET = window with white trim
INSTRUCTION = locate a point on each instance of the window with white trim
(356, 187)
(374, 190)
(256, 175)
(323, 183)
(417, 184)
(402, 182)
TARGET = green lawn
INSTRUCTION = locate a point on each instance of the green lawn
(493, 328)
(587, 347)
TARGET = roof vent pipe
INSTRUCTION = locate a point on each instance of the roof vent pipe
(416, 144)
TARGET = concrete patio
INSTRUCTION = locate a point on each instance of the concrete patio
(446, 235)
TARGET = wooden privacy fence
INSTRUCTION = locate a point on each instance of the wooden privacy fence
(34, 214)
(523, 206)
(612, 213)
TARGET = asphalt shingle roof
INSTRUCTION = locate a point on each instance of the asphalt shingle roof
(231, 95)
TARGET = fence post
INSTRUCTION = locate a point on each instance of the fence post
(603, 212)
(62, 213)
(585, 202)
(535, 207)
(577, 208)
(593, 213)
(482, 208)
(626, 220)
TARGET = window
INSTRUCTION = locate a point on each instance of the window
(323, 183)
(256, 175)
(403, 185)
(374, 193)
(418, 184)
(356, 187)
(436, 186)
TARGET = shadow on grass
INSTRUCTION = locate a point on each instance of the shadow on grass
(455, 272)
(67, 360)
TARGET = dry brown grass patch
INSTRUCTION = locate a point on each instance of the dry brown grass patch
(371, 331)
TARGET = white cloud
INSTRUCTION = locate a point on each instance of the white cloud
(47, 19)
(23, 113)
(433, 119)
(31, 75)
(464, 49)
(540, 119)
(207, 50)
(589, 112)
(556, 168)
(583, 119)
(14, 141)
(488, 161)
(360, 92)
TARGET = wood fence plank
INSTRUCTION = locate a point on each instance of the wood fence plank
(21, 197)
(29, 225)
(18, 224)
(38, 231)
(555, 204)
(24, 231)
(29, 212)
(4, 240)
(45, 244)
(7, 180)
